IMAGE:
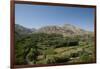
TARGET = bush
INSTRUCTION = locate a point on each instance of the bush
(58, 58)
(73, 55)
(62, 59)
(86, 58)
(50, 59)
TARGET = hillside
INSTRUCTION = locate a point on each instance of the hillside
(53, 45)
(66, 30)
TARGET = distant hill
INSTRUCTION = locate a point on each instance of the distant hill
(21, 32)
(66, 30)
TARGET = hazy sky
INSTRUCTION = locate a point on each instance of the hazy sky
(36, 16)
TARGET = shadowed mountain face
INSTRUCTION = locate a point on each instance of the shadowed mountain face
(23, 30)
(66, 30)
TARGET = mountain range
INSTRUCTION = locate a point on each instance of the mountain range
(66, 30)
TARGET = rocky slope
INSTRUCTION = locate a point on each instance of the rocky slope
(66, 30)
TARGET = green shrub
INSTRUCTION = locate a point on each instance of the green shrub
(56, 59)
(73, 55)
(62, 59)
(50, 59)
(85, 58)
